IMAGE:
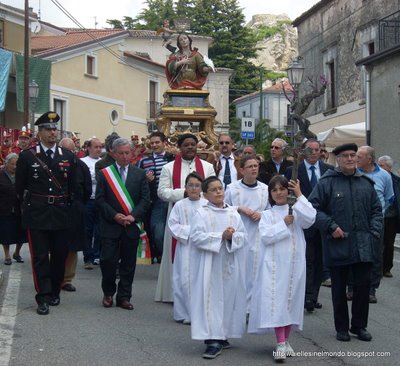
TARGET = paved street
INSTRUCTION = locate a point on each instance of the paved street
(81, 332)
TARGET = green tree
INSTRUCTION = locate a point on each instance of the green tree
(151, 18)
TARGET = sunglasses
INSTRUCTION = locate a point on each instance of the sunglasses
(275, 147)
(224, 142)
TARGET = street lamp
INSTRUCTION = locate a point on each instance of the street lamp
(33, 95)
(295, 73)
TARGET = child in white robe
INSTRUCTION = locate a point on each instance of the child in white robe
(179, 222)
(250, 198)
(218, 293)
(277, 301)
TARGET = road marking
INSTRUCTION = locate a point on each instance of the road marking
(8, 314)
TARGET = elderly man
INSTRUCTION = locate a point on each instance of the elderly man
(384, 188)
(350, 218)
(123, 197)
(226, 165)
(277, 164)
(310, 171)
(45, 180)
(392, 216)
(171, 188)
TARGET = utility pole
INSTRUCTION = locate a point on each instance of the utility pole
(26, 63)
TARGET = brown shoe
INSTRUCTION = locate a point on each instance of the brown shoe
(107, 301)
(125, 304)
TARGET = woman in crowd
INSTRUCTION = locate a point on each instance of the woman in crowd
(10, 215)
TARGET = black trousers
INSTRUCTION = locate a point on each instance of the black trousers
(313, 266)
(389, 236)
(48, 271)
(123, 249)
(360, 304)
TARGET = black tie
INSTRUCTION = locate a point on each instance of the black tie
(227, 173)
(314, 179)
(49, 154)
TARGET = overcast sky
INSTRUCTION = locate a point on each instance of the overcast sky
(88, 11)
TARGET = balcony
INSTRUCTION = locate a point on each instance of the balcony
(389, 31)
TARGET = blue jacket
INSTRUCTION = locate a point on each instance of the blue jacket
(351, 203)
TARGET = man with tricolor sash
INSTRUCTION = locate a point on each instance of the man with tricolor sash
(171, 188)
(123, 197)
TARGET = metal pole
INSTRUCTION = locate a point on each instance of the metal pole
(26, 63)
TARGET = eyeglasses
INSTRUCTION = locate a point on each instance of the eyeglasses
(224, 142)
(193, 185)
(276, 147)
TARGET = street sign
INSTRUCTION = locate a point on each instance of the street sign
(248, 130)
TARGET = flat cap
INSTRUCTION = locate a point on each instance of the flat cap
(338, 149)
(48, 120)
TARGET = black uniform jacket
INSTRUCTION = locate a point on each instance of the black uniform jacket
(106, 201)
(41, 209)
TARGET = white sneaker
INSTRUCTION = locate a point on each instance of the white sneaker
(280, 352)
(289, 350)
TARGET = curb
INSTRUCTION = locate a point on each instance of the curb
(1, 277)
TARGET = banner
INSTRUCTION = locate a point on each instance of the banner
(5, 65)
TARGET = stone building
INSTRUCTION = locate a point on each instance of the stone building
(332, 36)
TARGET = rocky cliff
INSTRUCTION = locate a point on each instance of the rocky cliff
(277, 41)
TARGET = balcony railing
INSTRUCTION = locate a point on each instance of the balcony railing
(153, 108)
(389, 31)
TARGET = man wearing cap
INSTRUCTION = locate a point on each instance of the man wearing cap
(24, 141)
(45, 180)
(171, 188)
(350, 218)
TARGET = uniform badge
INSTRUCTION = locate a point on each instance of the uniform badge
(36, 176)
(35, 165)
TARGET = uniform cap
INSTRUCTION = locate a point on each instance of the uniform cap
(48, 120)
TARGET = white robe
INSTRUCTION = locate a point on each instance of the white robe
(256, 198)
(279, 289)
(179, 222)
(167, 193)
(218, 292)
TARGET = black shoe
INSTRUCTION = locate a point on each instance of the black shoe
(343, 336)
(349, 296)
(225, 344)
(318, 305)
(18, 258)
(69, 287)
(372, 299)
(309, 306)
(362, 333)
(55, 301)
(43, 309)
(212, 351)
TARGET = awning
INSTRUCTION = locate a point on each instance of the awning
(5, 65)
(344, 134)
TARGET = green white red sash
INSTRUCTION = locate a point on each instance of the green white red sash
(125, 200)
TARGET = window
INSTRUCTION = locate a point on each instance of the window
(153, 99)
(91, 65)
(371, 48)
(1, 33)
(60, 107)
(330, 72)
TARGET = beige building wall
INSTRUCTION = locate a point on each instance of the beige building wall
(89, 100)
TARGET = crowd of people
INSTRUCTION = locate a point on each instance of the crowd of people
(236, 252)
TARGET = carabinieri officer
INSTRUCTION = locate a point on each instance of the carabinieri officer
(45, 179)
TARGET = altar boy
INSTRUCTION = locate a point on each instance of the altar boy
(218, 291)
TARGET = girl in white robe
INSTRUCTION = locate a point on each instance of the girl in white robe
(179, 223)
(250, 198)
(278, 293)
(218, 293)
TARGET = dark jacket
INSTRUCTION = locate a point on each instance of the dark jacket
(83, 192)
(34, 185)
(268, 169)
(106, 201)
(306, 188)
(351, 203)
(9, 203)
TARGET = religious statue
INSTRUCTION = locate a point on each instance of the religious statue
(187, 68)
